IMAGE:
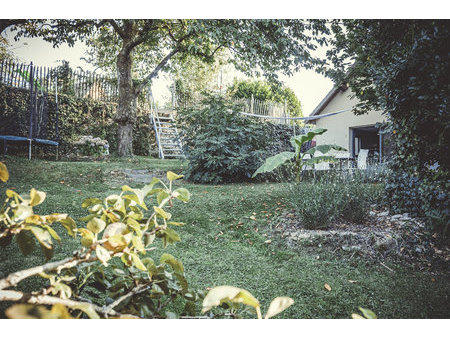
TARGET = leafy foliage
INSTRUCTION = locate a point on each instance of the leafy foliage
(222, 145)
(117, 233)
(400, 67)
(366, 314)
(265, 91)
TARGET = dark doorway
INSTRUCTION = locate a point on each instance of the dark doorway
(366, 138)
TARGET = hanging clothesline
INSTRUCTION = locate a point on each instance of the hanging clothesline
(307, 118)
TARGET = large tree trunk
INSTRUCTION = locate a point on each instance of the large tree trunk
(126, 109)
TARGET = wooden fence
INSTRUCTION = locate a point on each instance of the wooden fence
(77, 83)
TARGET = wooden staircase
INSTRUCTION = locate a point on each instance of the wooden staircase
(167, 135)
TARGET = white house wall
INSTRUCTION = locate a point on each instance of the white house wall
(339, 125)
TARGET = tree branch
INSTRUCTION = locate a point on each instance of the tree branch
(163, 62)
(17, 296)
(14, 278)
(138, 289)
(117, 28)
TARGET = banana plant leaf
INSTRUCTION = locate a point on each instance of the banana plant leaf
(274, 162)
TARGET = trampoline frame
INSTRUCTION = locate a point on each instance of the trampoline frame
(30, 139)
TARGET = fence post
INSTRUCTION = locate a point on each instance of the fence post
(285, 112)
(30, 131)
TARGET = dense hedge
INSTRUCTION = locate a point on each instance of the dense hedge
(224, 146)
(76, 117)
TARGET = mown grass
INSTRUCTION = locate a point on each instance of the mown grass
(223, 242)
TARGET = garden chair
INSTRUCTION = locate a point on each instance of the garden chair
(362, 159)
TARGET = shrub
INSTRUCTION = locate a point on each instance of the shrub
(90, 146)
(221, 144)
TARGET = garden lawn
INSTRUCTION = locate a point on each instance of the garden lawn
(224, 243)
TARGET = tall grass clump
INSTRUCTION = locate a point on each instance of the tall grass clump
(331, 197)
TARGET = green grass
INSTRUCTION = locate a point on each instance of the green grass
(215, 251)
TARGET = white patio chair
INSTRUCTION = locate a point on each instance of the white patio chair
(362, 158)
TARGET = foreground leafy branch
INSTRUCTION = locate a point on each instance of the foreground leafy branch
(115, 227)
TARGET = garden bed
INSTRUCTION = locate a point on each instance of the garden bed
(383, 236)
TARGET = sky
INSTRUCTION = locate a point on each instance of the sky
(309, 86)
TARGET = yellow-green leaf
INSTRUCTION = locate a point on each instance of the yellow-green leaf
(169, 236)
(11, 194)
(137, 243)
(55, 218)
(182, 194)
(22, 212)
(133, 224)
(148, 239)
(137, 262)
(43, 236)
(96, 225)
(36, 197)
(115, 229)
(278, 305)
(87, 237)
(368, 313)
(4, 175)
(171, 176)
(70, 225)
(161, 212)
(178, 224)
(102, 254)
(162, 195)
(175, 264)
(220, 294)
(357, 316)
(52, 232)
(88, 202)
(34, 219)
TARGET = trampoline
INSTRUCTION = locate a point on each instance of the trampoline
(38, 113)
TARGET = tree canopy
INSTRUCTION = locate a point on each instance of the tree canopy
(266, 91)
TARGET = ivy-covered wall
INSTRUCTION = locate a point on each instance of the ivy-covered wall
(76, 117)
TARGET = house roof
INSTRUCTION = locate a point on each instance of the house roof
(331, 94)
